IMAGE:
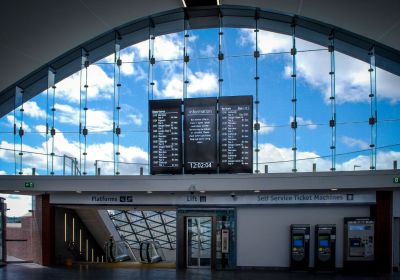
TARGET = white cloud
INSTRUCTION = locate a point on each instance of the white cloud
(136, 119)
(130, 115)
(166, 47)
(2, 172)
(354, 143)
(268, 42)
(32, 110)
(200, 84)
(96, 120)
(302, 122)
(208, 51)
(127, 56)
(352, 76)
(10, 120)
(265, 128)
(280, 160)
(101, 86)
(41, 129)
(98, 151)
(31, 158)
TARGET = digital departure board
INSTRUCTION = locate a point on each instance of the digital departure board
(236, 134)
(200, 134)
(165, 117)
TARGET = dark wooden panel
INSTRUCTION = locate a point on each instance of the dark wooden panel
(383, 231)
(47, 231)
(198, 3)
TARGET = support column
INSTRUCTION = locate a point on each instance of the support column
(383, 231)
(43, 231)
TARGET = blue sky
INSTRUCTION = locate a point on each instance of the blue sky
(238, 71)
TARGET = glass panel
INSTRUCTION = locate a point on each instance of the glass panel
(1, 232)
(199, 241)
(139, 226)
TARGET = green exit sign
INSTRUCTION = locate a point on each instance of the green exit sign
(29, 185)
(396, 180)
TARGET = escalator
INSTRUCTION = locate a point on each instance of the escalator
(151, 252)
(119, 251)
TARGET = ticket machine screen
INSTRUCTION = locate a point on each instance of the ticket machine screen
(323, 243)
(298, 243)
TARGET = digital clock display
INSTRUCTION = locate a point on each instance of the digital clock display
(200, 133)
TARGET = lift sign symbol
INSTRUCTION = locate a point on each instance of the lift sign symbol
(396, 180)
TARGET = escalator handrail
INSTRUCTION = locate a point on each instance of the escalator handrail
(130, 250)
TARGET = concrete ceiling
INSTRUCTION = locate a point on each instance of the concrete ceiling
(34, 33)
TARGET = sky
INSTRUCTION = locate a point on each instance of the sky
(238, 71)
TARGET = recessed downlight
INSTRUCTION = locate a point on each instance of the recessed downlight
(256, 191)
(334, 189)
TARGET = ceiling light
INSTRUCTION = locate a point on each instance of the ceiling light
(16, 191)
(149, 192)
(184, 3)
(256, 191)
(334, 189)
(78, 191)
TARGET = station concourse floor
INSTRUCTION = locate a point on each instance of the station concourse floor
(29, 271)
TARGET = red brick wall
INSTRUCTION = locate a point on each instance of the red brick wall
(19, 240)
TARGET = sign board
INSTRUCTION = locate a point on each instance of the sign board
(29, 185)
(200, 134)
(236, 134)
(225, 241)
(307, 198)
(396, 180)
(165, 136)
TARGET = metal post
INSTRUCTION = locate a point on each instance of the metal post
(75, 166)
(95, 167)
(63, 165)
(293, 124)
(33, 171)
(98, 171)
(141, 171)
(266, 169)
(314, 167)
(395, 164)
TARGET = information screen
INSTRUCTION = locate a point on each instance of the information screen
(200, 130)
(323, 243)
(298, 243)
(236, 134)
(165, 136)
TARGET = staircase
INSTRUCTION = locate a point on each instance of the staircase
(73, 247)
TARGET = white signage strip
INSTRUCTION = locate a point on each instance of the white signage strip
(215, 199)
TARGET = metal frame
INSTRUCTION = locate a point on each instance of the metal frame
(206, 245)
(171, 21)
(145, 226)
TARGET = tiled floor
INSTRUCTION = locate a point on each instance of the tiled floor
(36, 272)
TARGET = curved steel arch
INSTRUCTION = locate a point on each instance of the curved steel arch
(176, 20)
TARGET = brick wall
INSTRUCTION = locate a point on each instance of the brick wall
(19, 239)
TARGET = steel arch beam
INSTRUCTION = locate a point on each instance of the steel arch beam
(171, 21)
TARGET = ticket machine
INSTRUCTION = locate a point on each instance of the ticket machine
(325, 247)
(359, 248)
(299, 247)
